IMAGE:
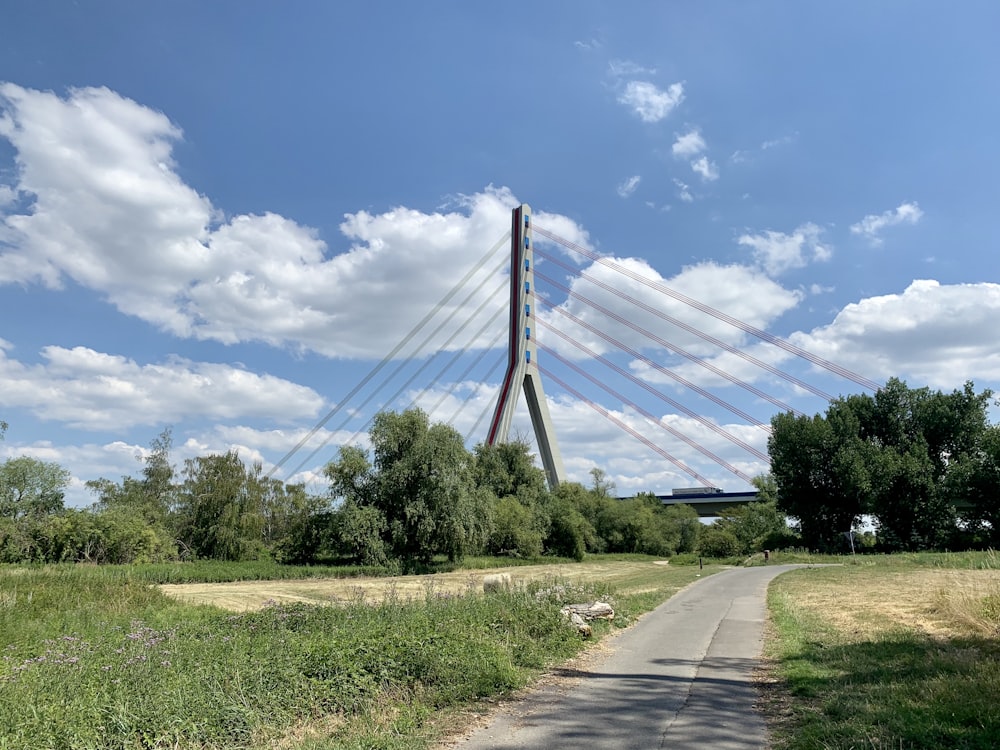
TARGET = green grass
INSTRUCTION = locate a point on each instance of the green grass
(885, 685)
(98, 658)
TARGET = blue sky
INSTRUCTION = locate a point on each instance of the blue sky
(217, 217)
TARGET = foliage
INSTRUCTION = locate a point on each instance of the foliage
(31, 488)
(420, 482)
(755, 527)
(221, 508)
(908, 457)
(94, 659)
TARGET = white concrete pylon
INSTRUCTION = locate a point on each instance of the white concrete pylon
(522, 358)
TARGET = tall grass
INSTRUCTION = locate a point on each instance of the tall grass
(97, 658)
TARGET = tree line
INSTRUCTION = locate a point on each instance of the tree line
(415, 494)
(923, 466)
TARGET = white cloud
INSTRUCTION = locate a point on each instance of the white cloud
(628, 187)
(92, 390)
(873, 224)
(649, 102)
(621, 68)
(689, 144)
(683, 191)
(739, 291)
(930, 334)
(778, 252)
(108, 211)
(707, 169)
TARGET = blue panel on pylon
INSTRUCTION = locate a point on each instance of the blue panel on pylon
(527, 332)
(527, 287)
(527, 264)
(527, 243)
(527, 356)
(527, 311)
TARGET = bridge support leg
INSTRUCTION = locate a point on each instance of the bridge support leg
(522, 359)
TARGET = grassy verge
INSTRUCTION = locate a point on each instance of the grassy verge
(887, 652)
(90, 658)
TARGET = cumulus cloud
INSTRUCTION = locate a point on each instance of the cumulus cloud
(689, 144)
(628, 187)
(930, 334)
(650, 103)
(739, 291)
(873, 224)
(778, 252)
(105, 208)
(707, 169)
(683, 191)
(92, 390)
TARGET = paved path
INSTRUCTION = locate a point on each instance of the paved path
(680, 678)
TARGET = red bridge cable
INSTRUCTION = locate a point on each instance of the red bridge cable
(654, 419)
(642, 384)
(689, 328)
(656, 366)
(672, 347)
(638, 436)
(708, 310)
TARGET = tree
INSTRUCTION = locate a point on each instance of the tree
(222, 513)
(420, 479)
(906, 456)
(153, 497)
(973, 484)
(508, 472)
(31, 488)
(820, 476)
(758, 525)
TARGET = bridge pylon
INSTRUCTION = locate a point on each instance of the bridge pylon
(522, 358)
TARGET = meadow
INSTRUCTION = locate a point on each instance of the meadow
(99, 657)
(878, 652)
(886, 652)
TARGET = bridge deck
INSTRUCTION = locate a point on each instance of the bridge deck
(710, 504)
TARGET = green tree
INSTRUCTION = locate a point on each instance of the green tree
(520, 523)
(820, 475)
(31, 488)
(420, 479)
(758, 525)
(973, 484)
(153, 496)
(222, 508)
(570, 534)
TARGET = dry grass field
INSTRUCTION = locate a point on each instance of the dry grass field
(626, 577)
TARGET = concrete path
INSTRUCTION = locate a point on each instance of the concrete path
(680, 678)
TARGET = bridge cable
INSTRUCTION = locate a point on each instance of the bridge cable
(489, 405)
(461, 378)
(634, 433)
(656, 366)
(662, 396)
(399, 368)
(387, 358)
(652, 418)
(427, 362)
(718, 314)
(690, 329)
(672, 347)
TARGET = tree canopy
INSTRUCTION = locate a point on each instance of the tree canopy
(921, 463)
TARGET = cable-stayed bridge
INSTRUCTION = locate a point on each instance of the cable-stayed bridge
(608, 334)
